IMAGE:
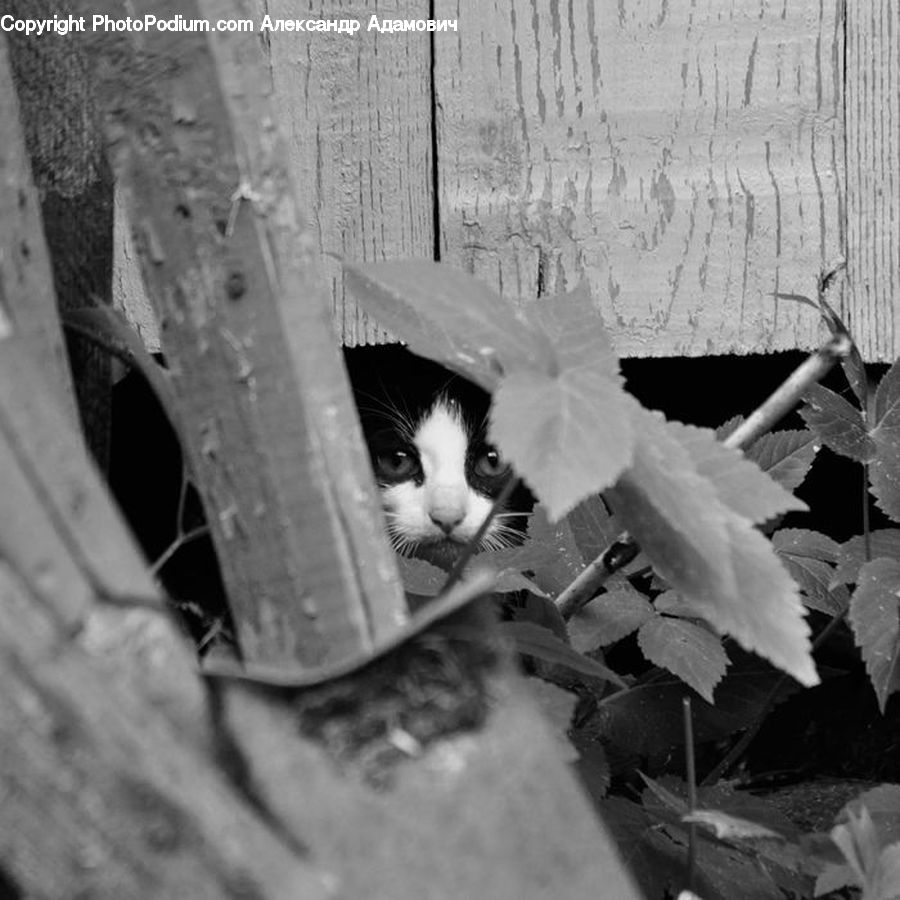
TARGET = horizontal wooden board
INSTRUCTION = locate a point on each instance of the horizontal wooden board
(685, 158)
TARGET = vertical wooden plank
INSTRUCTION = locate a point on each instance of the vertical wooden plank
(357, 112)
(684, 157)
(233, 277)
(75, 188)
(27, 299)
(873, 176)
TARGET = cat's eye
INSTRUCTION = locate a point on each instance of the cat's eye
(491, 464)
(397, 464)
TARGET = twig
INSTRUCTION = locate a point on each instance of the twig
(595, 574)
(785, 398)
(691, 775)
(175, 546)
(626, 548)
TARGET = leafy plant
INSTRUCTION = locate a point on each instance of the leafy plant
(717, 575)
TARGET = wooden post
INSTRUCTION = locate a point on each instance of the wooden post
(233, 275)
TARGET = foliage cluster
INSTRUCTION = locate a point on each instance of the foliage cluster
(717, 603)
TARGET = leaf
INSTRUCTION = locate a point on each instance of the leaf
(876, 624)
(542, 611)
(737, 481)
(592, 527)
(685, 649)
(838, 424)
(534, 640)
(858, 841)
(509, 580)
(884, 542)
(647, 718)
(714, 557)
(884, 470)
(560, 560)
(420, 577)
(733, 828)
(809, 557)
(552, 425)
(450, 317)
(673, 604)
(609, 618)
(785, 456)
(883, 804)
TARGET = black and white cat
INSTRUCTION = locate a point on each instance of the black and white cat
(426, 432)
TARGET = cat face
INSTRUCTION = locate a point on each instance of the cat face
(438, 475)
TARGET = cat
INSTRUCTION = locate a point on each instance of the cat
(426, 430)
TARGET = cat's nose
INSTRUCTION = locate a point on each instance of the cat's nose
(446, 518)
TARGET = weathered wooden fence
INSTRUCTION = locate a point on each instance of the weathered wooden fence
(688, 159)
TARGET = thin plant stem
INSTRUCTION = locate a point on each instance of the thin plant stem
(625, 548)
(472, 546)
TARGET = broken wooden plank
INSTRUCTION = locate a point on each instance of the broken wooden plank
(686, 159)
(233, 277)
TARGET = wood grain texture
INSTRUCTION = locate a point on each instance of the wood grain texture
(27, 298)
(684, 157)
(58, 524)
(357, 112)
(271, 435)
(873, 176)
(110, 787)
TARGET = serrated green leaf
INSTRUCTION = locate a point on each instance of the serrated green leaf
(553, 429)
(592, 527)
(534, 640)
(450, 317)
(673, 604)
(686, 650)
(883, 804)
(884, 542)
(838, 424)
(721, 565)
(887, 401)
(876, 624)
(810, 557)
(785, 456)
(858, 841)
(609, 618)
(549, 553)
(738, 482)
(740, 697)
(884, 469)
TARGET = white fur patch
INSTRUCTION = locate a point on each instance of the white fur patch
(443, 508)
